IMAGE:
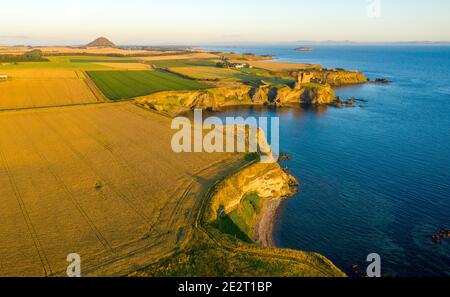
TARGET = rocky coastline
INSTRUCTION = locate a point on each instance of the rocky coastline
(310, 88)
(270, 183)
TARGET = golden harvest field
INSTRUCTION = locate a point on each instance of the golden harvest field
(92, 180)
(26, 93)
(180, 57)
(277, 66)
(40, 73)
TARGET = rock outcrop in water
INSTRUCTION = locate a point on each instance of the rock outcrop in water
(304, 49)
(381, 81)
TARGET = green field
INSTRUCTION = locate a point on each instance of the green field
(254, 71)
(60, 62)
(183, 63)
(205, 73)
(256, 80)
(129, 84)
(103, 61)
(236, 223)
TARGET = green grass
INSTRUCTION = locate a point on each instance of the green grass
(183, 63)
(204, 258)
(253, 77)
(232, 225)
(256, 80)
(102, 61)
(238, 223)
(129, 84)
(204, 73)
(252, 71)
(312, 85)
(56, 65)
(20, 59)
(57, 62)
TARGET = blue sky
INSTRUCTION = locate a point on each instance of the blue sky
(211, 21)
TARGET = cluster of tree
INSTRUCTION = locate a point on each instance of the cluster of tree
(31, 56)
(223, 64)
(116, 55)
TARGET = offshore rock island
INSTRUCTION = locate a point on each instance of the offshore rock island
(304, 49)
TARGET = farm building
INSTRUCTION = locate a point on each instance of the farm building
(240, 65)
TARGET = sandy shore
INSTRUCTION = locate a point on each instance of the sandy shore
(266, 222)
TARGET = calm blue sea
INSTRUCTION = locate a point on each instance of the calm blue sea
(374, 179)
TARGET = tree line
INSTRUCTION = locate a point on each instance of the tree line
(31, 56)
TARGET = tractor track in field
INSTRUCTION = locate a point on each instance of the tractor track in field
(93, 87)
(49, 107)
(107, 181)
(66, 190)
(170, 198)
(180, 242)
(175, 201)
(175, 212)
(31, 229)
(168, 214)
(119, 160)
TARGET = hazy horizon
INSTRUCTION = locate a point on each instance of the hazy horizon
(200, 22)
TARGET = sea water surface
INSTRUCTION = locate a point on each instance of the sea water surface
(373, 179)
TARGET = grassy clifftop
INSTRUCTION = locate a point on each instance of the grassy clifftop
(228, 250)
(177, 101)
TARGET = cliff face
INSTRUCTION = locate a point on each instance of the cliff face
(214, 99)
(340, 77)
(323, 94)
(310, 94)
(267, 181)
(333, 77)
